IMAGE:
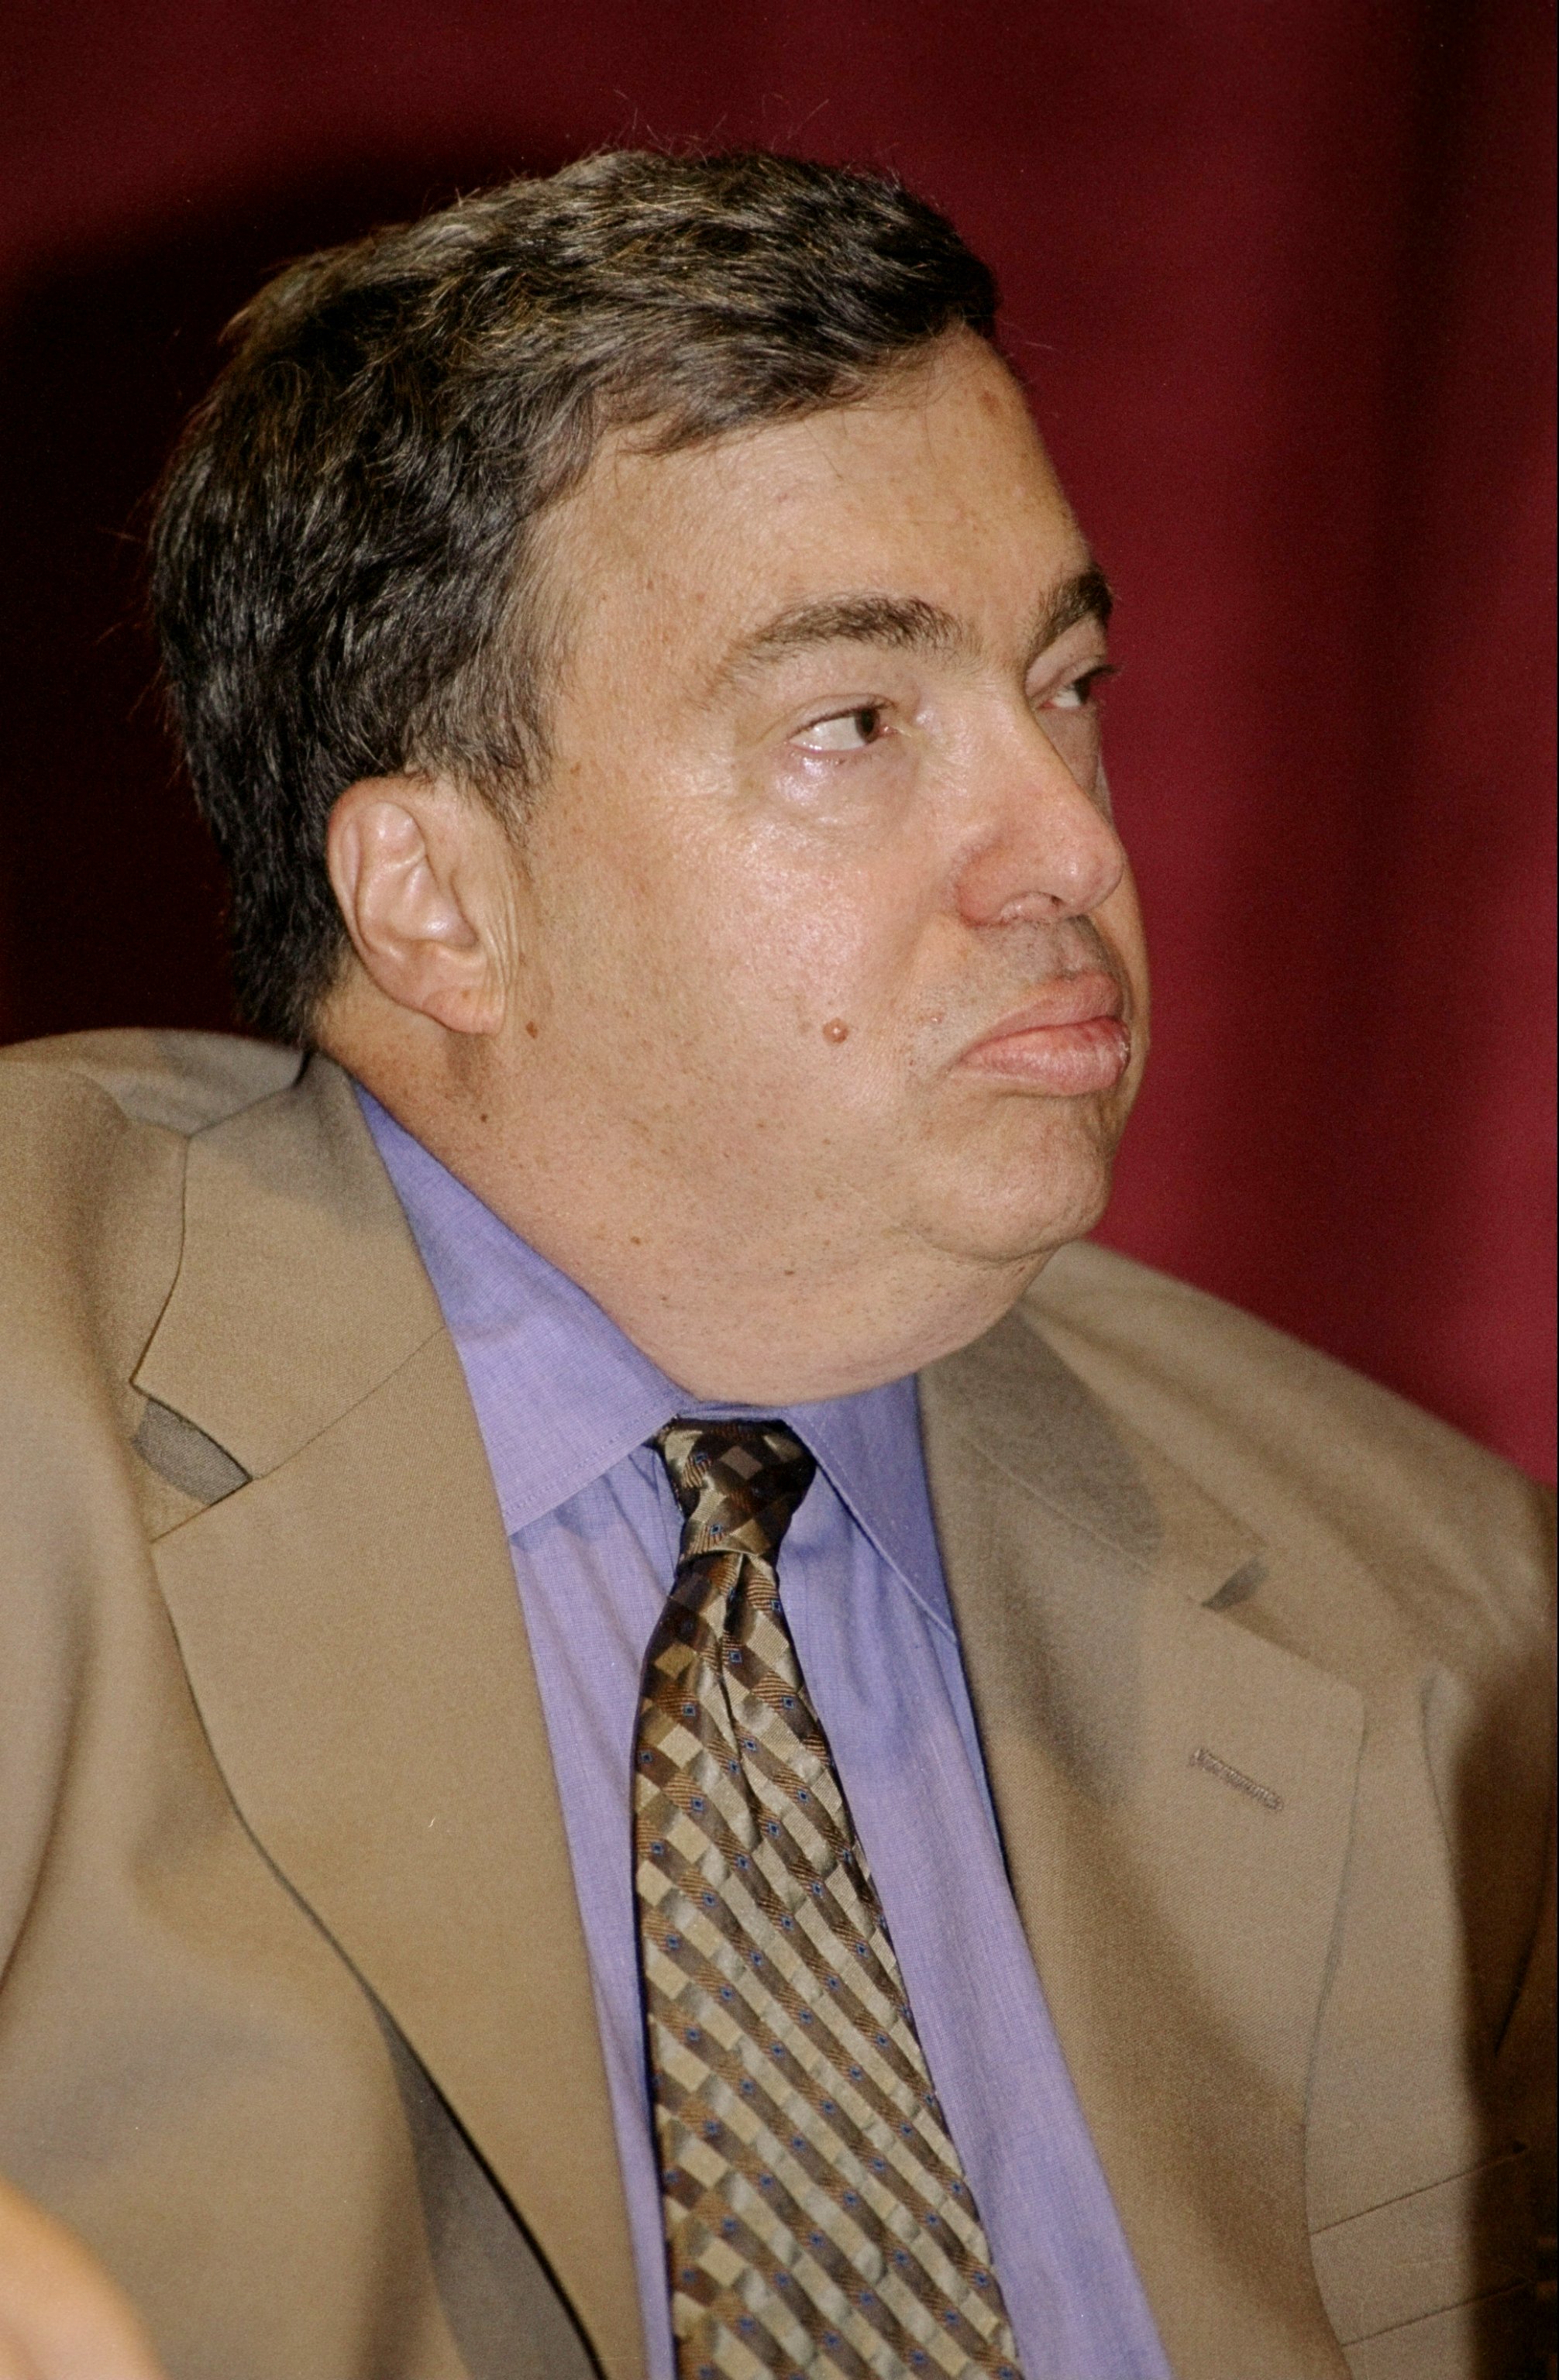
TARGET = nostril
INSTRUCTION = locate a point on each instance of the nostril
(1031, 909)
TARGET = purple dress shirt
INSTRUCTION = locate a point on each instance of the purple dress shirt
(565, 1404)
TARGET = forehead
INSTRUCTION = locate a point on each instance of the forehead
(936, 489)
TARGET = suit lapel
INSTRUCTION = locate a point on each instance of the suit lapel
(1176, 1796)
(353, 1636)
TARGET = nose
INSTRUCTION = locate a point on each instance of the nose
(1043, 846)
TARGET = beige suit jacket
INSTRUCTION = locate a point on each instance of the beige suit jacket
(296, 2023)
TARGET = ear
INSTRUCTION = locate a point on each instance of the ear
(422, 873)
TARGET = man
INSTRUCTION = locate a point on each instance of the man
(639, 1739)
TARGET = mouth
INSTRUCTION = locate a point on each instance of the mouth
(1069, 1039)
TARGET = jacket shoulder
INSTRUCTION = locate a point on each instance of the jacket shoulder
(1307, 1452)
(183, 1082)
(94, 1132)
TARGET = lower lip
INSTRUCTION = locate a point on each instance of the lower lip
(1067, 1061)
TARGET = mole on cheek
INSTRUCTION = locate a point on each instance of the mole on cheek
(835, 1029)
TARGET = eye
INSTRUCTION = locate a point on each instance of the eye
(1079, 693)
(847, 731)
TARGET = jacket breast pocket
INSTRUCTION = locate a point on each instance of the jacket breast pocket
(1436, 2285)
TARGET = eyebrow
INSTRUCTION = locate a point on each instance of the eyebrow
(1085, 596)
(906, 623)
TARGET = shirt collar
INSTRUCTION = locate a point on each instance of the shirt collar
(562, 1395)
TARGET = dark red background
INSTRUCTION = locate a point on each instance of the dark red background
(1278, 272)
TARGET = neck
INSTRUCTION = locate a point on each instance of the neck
(789, 1313)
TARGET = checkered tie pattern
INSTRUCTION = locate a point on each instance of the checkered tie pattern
(818, 2221)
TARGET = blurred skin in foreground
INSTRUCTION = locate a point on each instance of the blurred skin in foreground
(61, 2317)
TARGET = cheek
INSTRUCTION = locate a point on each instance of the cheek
(692, 952)
(603, 900)
(798, 945)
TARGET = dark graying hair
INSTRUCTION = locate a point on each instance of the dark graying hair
(340, 553)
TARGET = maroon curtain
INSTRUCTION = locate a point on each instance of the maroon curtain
(1278, 274)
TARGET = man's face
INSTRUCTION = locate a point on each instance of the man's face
(826, 949)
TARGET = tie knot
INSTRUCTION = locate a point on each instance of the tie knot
(738, 1482)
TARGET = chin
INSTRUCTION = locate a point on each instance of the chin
(1020, 1206)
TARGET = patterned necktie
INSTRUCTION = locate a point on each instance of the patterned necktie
(818, 2222)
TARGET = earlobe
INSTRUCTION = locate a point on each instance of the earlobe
(406, 860)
